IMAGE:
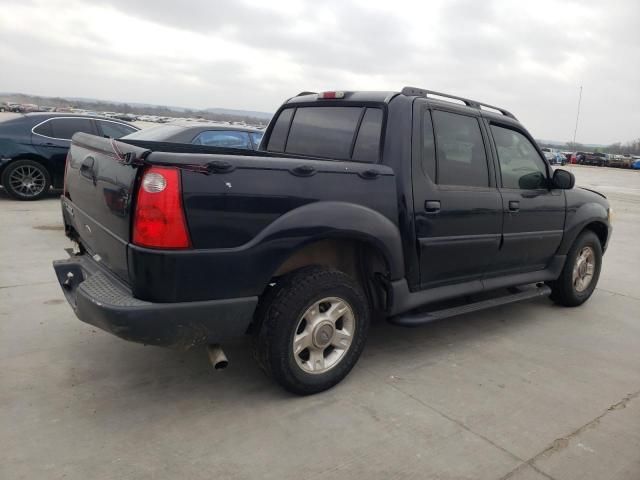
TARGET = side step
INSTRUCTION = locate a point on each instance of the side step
(420, 318)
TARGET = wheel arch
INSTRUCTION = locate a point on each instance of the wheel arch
(348, 237)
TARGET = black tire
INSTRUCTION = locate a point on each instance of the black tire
(30, 165)
(563, 290)
(279, 314)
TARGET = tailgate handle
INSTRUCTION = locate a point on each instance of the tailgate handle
(304, 171)
(87, 169)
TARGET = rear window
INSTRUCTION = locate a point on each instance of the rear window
(342, 133)
(223, 138)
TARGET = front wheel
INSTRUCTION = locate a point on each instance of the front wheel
(311, 329)
(580, 273)
(26, 180)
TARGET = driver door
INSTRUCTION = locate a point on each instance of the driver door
(534, 214)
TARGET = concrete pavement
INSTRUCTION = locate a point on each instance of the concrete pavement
(527, 391)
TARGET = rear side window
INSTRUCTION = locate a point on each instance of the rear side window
(223, 138)
(342, 133)
(65, 127)
(460, 150)
(114, 129)
(44, 129)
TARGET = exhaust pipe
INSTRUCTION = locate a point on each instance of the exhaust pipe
(217, 357)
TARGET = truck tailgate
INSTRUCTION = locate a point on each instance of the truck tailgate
(98, 196)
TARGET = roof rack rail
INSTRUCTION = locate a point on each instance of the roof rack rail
(305, 93)
(420, 92)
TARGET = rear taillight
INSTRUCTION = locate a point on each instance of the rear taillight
(159, 220)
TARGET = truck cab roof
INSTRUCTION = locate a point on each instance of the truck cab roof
(385, 97)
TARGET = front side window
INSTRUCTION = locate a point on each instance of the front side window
(114, 130)
(460, 150)
(223, 138)
(64, 128)
(521, 166)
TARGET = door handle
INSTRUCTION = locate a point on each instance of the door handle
(432, 206)
(514, 205)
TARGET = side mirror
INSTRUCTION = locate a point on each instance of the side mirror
(563, 179)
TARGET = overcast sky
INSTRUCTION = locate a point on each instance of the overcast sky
(528, 57)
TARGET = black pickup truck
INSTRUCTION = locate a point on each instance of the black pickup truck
(411, 205)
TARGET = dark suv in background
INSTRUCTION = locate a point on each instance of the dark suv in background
(33, 149)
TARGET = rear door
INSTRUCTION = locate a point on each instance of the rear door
(534, 214)
(52, 138)
(457, 206)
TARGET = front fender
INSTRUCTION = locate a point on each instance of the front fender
(578, 217)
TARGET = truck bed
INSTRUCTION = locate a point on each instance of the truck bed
(245, 212)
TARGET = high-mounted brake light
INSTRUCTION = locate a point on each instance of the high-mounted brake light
(159, 220)
(331, 95)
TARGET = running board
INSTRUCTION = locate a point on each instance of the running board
(420, 318)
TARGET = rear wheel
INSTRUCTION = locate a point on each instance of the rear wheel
(26, 180)
(312, 327)
(580, 273)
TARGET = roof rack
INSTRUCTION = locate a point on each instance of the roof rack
(420, 92)
(301, 94)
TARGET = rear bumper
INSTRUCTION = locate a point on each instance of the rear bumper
(100, 299)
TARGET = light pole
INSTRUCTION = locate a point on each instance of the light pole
(575, 131)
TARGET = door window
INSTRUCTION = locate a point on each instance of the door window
(64, 128)
(521, 166)
(461, 158)
(114, 129)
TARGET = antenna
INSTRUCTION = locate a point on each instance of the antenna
(577, 117)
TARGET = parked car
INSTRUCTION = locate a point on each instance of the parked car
(127, 117)
(13, 107)
(548, 153)
(596, 158)
(211, 135)
(356, 203)
(636, 163)
(554, 157)
(33, 148)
